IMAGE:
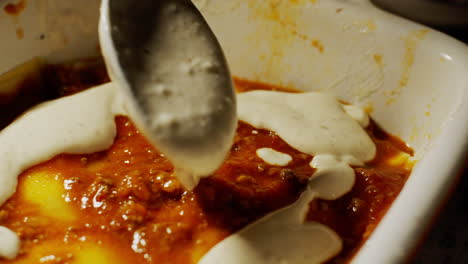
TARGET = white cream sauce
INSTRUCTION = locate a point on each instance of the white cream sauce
(273, 157)
(279, 238)
(312, 123)
(316, 124)
(82, 123)
(9, 243)
(358, 114)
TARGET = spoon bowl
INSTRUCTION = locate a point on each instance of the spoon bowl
(167, 59)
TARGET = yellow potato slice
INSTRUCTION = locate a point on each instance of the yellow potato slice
(402, 159)
(46, 191)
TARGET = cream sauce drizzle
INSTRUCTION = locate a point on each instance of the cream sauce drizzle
(312, 123)
(82, 123)
(358, 114)
(316, 124)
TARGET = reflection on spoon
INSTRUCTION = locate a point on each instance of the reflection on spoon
(164, 55)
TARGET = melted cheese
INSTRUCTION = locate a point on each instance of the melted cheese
(312, 123)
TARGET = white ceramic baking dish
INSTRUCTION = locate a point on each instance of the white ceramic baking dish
(413, 79)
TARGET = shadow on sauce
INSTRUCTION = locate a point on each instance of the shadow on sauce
(52, 81)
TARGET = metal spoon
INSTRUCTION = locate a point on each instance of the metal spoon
(163, 53)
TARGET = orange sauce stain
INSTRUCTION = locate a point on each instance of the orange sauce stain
(280, 24)
(19, 33)
(371, 25)
(15, 9)
(428, 110)
(302, 1)
(318, 45)
(378, 58)
(411, 44)
(369, 108)
(299, 35)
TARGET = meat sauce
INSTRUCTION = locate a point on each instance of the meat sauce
(125, 205)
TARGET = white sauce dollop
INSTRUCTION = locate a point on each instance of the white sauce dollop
(312, 123)
(316, 124)
(273, 157)
(9, 243)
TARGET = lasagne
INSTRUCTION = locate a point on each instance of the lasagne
(124, 204)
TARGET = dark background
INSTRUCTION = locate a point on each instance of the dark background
(447, 242)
